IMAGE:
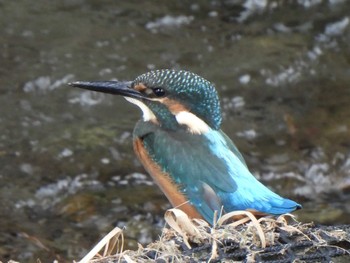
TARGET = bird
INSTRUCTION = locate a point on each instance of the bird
(180, 143)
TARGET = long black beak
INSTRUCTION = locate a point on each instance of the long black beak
(123, 88)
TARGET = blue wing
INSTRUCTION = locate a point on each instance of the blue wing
(210, 171)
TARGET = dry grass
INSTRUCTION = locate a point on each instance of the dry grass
(243, 229)
(112, 243)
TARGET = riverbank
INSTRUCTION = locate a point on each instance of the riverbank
(237, 236)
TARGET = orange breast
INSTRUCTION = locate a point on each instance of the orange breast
(164, 181)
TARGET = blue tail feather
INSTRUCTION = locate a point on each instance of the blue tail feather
(286, 207)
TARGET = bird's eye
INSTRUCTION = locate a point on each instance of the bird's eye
(159, 92)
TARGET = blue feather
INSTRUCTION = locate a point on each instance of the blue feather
(210, 171)
(250, 193)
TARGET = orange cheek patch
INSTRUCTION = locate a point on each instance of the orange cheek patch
(140, 87)
(173, 106)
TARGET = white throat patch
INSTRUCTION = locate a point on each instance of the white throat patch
(195, 125)
(147, 113)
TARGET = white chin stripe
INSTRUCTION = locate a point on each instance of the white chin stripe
(195, 125)
(147, 113)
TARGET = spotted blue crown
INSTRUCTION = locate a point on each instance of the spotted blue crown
(191, 90)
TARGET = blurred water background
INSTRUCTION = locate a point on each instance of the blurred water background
(67, 171)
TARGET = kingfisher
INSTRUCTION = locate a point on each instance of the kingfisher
(180, 144)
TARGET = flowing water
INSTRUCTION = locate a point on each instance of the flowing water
(67, 170)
